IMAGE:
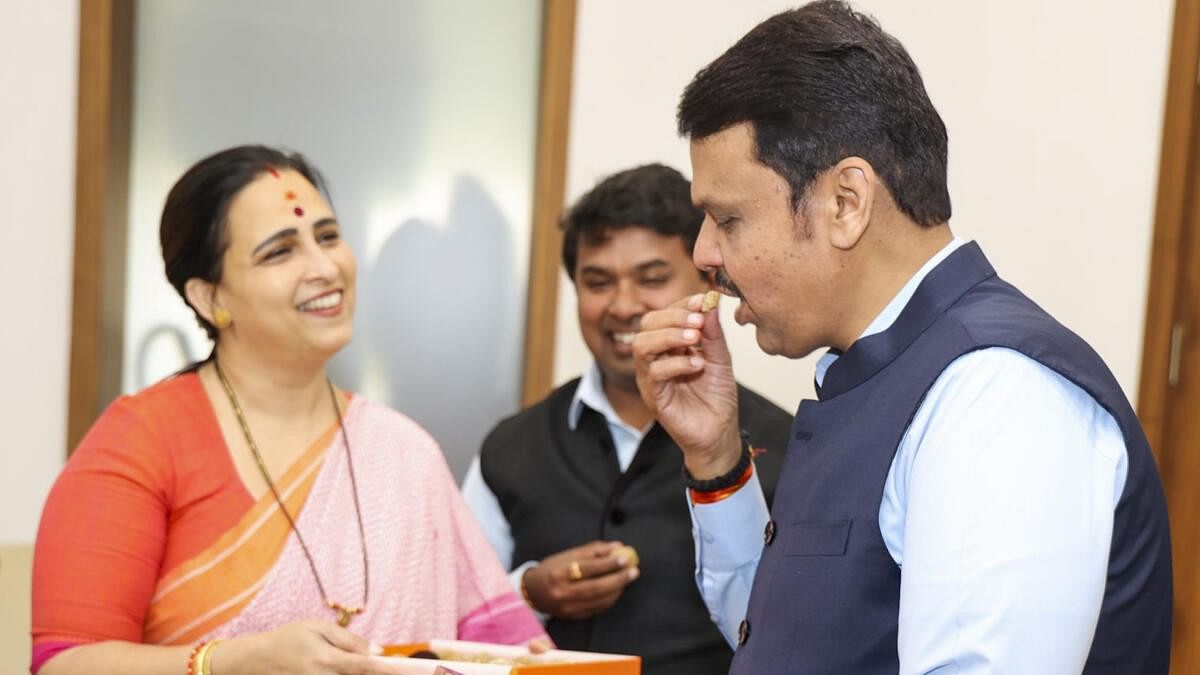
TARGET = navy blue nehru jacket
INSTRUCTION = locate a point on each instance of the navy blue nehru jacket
(826, 593)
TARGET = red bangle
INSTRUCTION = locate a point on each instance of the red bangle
(715, 496)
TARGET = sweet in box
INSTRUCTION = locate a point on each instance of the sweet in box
(478, 658)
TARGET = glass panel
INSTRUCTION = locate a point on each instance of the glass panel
(422, 116)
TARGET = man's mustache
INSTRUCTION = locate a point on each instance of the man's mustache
(725, 283)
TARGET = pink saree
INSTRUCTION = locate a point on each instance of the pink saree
(432, 572)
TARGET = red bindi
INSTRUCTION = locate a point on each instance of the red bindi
(298, 211)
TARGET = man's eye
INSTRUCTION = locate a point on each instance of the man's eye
(726, 222)
(655, 282)
(596, 284)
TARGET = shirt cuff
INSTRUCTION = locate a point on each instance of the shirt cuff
(514, 577)
(728, 533)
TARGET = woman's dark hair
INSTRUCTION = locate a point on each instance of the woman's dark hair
(653, 196)
(194, 232)
(821, 83)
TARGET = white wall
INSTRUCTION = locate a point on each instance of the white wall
(1054, 112)
(38, 74)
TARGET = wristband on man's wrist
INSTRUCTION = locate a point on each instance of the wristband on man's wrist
(715, 489)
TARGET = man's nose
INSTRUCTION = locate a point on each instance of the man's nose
(625, 303)
(706, 254)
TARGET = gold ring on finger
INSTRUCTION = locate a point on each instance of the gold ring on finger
(574, 571)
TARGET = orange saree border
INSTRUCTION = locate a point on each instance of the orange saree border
(203, 593)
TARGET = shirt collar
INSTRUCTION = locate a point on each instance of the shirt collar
(590, 392)
(888, 316)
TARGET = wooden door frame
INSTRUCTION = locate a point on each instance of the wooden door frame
(101, 191)
(106, 42)
(554, 113)
(1180, 125)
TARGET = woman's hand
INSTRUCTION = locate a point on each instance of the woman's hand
(305, 647)
(685, 376)
(579, 582)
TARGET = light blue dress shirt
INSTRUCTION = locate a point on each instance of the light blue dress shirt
(483, 503)
(998, 507)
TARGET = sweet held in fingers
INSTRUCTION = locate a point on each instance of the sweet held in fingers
(707, 304)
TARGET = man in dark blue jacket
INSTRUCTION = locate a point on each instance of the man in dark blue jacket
(971, 491)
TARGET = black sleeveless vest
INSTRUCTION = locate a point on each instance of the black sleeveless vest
(560, 487)
(826, 593)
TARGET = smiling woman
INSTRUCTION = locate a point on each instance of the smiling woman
(202, 520)
(448, 189)
(287, 277)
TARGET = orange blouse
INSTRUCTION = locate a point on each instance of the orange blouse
(150, 486)
(150, 536)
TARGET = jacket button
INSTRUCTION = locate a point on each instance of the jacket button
(769, 533)
(743, 632)
(616, 517)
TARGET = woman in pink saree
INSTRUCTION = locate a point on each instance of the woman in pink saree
(246, 516)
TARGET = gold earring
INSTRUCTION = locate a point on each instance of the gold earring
(221, 318)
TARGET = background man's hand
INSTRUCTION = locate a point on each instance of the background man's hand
(685, 375)
(579, 582)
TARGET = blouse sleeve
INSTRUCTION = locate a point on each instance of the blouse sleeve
(102, 535)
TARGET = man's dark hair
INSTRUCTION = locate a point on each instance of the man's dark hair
(653, 196)
(821, 83)
(194, 231)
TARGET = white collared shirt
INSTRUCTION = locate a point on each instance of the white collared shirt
(486, 508)
(1004, 548)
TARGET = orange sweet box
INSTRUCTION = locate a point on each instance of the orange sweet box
(553, 662)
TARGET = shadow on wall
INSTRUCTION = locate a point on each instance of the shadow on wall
(443, 319)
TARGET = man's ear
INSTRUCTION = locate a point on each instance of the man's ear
(853, 184)
(202, 296)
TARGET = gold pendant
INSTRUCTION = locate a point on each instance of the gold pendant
(344, 613)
